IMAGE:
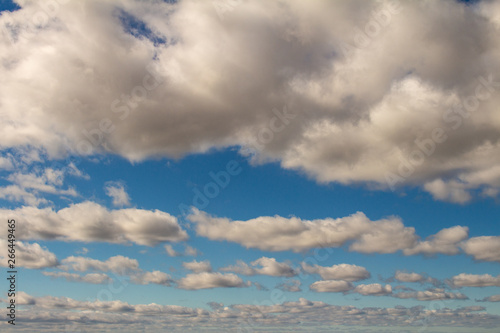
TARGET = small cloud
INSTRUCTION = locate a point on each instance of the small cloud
(116, 191)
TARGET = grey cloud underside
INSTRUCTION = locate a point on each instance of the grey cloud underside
(357, 96)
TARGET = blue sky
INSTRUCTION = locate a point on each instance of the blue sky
(202, 155)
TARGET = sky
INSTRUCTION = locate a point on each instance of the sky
(251, 166)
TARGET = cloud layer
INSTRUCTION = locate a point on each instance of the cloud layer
(198, 76)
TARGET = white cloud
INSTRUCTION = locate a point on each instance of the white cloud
(90, 222)
(188, 251)
(431, 295)
(338, 272)
(117, 264)
(408, 277)
(116, 191)
(486, 248)
(262, 266)
(93, 278)
(448, 191)
(474, 280)
(107, 315)
(191, 251)
(492, 298)
(276, 233)
(374, 289)
(28, 255)
(171, 252)
(206, 280)
(357, 112)
(154, 277)
(198, 266)
(445, 241)
(331, 286)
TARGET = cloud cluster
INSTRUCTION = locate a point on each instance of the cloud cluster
(29, 255)
(91, 222)
(276, 233)
(117, 264)
(485, 248)
(189, 81)
(262, 266)
(188, 251)
(52, 311)
(208, 280)
(431, 295)
(93, 278)
(338, 272)
(474, 280)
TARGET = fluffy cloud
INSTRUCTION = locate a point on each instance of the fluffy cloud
(29, 255)
(206, 280)
(268, 266)
(90, 222)
(276, 233)
(116, 191)
(338, 272)
(117, 264)
(485, 248)
(473, 280)
(94, 278)
(492, 298)
(408, 277)
(331, 286)
(188, 251)
(374, 289)
(431, 295)
(198, 266)
(419, 116)
(445, 241)
(154, 277)
(30, 186)
(105, 315)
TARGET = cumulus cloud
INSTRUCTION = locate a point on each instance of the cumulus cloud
(338, 272)
(106, 315)
(331, 286)
(116, 191)
(445, 241)
(198, 266)
(93, 278)
(91, 222)
(408, 277)
(154, 277)
(374, 289)
(492, 298)
(29, 255)
(431, 295)
(262, 266)
(276, 233)
(117, 264)
(174, 89)
(28, 187)
(206, 280)
(486, 248)
(474, 280)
